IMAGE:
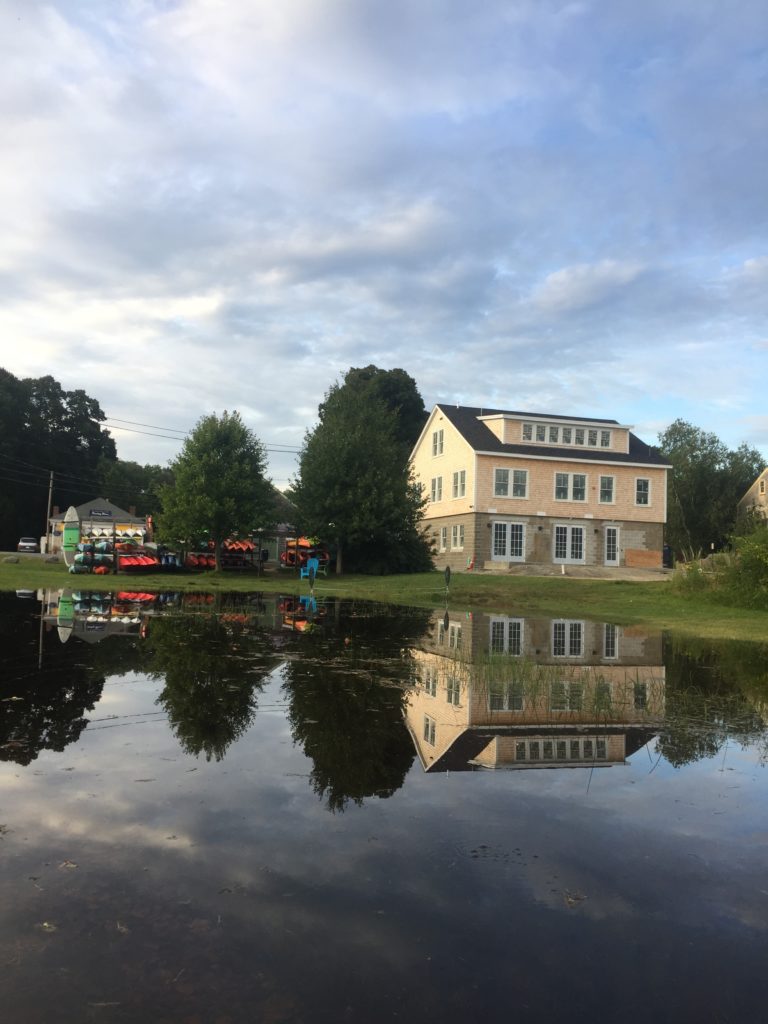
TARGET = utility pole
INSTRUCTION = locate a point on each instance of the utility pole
(48, 515)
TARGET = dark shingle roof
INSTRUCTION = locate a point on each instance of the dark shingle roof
(482, 439)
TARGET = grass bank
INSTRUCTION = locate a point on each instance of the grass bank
(625, 602)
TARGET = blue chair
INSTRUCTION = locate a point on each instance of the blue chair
(309, 571)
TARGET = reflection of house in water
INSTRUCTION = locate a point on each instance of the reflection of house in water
(499, 691)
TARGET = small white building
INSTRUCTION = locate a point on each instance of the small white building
(101, 519)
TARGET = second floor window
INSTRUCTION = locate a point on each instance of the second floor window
(460, 483)
(570, 486)
(436, 489)
(501, 483)
(606, 490)
(642, 491)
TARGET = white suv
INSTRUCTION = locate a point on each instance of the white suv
(28, 544)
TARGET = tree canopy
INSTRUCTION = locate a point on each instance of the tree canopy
(219, 488)
(44, 428)
(354, 489)
(706, 483)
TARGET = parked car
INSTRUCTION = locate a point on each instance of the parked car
(28, 544)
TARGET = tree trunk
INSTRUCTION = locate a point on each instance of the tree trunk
(339, 567)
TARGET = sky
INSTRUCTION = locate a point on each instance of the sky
(555, 207)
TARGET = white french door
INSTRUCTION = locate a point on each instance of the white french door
(507, 542)
(569, 544)
(611, 545)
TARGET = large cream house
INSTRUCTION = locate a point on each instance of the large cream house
(509, 488)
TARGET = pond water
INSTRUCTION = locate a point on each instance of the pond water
(281, 810)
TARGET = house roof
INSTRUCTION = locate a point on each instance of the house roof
(104, 509)
(482, 439)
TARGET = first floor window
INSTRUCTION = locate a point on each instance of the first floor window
(569, 544)
(443, 538)
(429, 730)
(460, 483)
(457, 538)
(642, 491)
(610, 640)
(436, 489)
(508, 542)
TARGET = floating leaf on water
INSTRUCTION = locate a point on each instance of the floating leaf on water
(67, 864)
(573, 898)
(46, 926)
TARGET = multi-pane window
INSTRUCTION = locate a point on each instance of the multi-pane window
(440, 633)
(443, 538)
(429, 730)
(430, 681)
(586, 749)
(437, 442)
(454, 636)
(571, 486)
(460, 483)
(520, 483)
(506, 636)
(566, 695)
(642, 491)
(610, 640)
(452, 690)
(457, 537)
(436, 489)
(579, 433)
(569, 544)
(641, 696)
(554, 435)
(541, 432)
(606, 490)
(505, 696)
(508, 541)
(592, 438)
(527, 431)
(602, 699)
(501, 483)
(567, 434)
(567, 639)
(605, 439)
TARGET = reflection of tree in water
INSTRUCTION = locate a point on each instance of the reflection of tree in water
(43, 705)
(212, 669)
(713, 691)
(347, 699)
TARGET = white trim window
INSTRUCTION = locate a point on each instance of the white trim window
(519, 483)
(436, 489)
(506, 696)
(506, 636)
(607, 490)
(527, 431)
(570, 486)
(429, 730)
(567, 639)
(501, 483)
(457, 537)
(453, 690)
(642, 490)
(443, 538)
(437, 442)
(459, 483)
(430, 680)
(566, 695)
(605, 439)
(547, 750)
(454, 636)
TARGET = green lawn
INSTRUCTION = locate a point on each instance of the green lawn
(624, 602)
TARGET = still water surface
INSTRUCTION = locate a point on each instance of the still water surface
(241, 809)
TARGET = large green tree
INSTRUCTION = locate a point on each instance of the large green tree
(706, 483)
(131, 485)
(45, 429)
(220, 488)
(354, 488)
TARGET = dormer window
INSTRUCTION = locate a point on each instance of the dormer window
(527, 431)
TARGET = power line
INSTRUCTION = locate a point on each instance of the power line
(271, 446)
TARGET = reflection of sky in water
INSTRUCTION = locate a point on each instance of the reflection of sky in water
(179, 886)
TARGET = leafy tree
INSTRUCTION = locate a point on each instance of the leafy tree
(130, 484)
(219, 487)
(354, 488)
(397, 390)
(706, 484)
(44, 428)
